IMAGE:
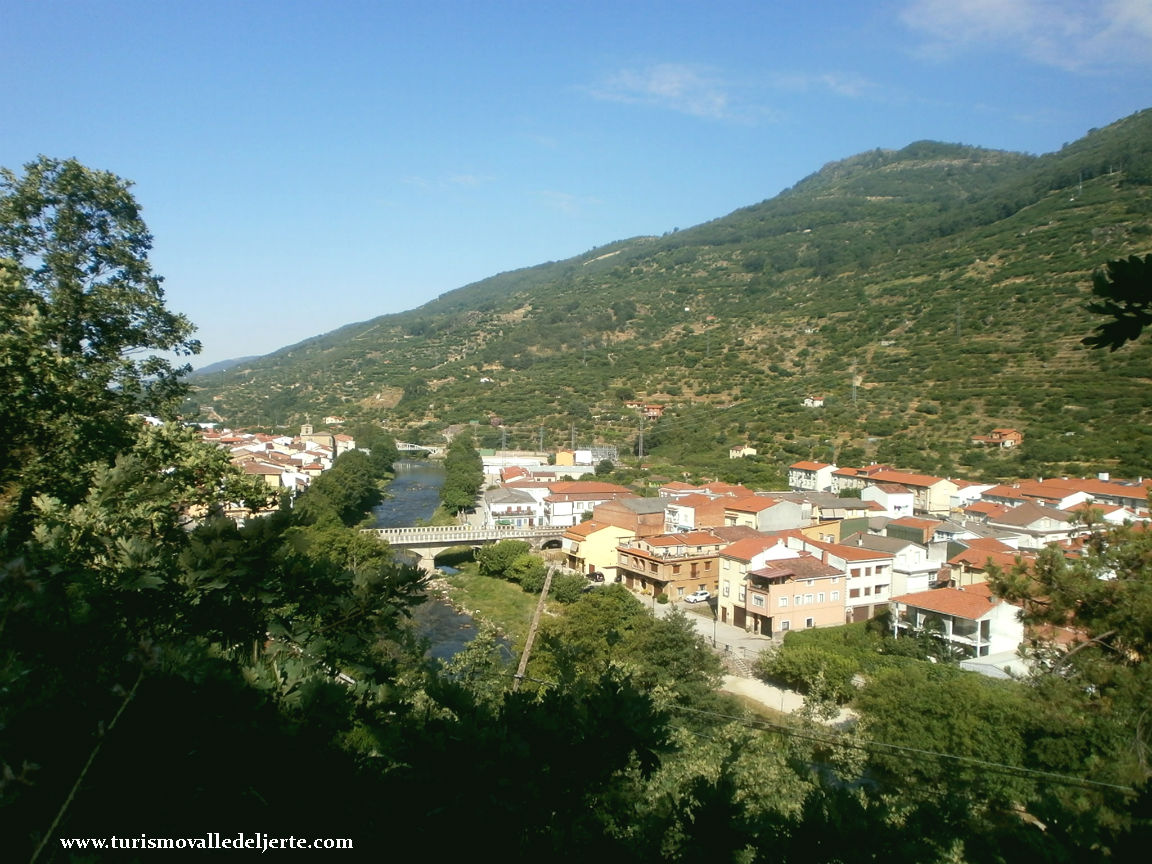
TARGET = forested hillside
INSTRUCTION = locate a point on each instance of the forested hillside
(928, 294)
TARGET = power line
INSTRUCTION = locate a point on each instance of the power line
(866, 744)
(762, 725)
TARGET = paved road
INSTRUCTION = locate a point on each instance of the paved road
(747, 646)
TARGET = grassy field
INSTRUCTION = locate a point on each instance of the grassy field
(495, 600)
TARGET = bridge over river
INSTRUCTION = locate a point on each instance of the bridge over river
(428, 541)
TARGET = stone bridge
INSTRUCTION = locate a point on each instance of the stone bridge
(432, 540)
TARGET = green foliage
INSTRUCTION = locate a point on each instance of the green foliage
(343, 493)
(80, 310)
(463, 474)
(503, 559)
(608, 629)
(828, 661)
(1125, 291)
(567, 587)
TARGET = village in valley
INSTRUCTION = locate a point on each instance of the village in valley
(840, 545)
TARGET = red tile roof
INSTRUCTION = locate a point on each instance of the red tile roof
(749, 547)
(962, 603)
(810, 466)
(751, 504)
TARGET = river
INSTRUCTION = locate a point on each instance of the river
(413, 495)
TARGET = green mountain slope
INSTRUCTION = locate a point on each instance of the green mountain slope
(928, 294)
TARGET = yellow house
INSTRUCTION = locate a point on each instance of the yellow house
(590, 547)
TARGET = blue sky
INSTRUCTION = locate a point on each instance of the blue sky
(304, 165)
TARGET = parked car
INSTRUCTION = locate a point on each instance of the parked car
(596, 576)
(700, 596)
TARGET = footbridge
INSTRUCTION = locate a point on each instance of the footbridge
(432, 540)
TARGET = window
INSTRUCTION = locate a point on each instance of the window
(808, 622)
(809, 583)
(835, 596)
(679, 590)
(727, 564)
(708, 564)
(743, 591)
(758, 600)
(855, 572)
(727, 589)
(867, 590)
(820, 597)
(675, 568)
(880, 589)
(807, 598)
(785, 625)
(854, 592)
(783, 602)
(797, 600)
(835, 580)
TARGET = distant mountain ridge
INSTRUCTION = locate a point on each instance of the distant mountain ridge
(929, 293)
(225, 365)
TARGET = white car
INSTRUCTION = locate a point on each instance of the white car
(700, 596)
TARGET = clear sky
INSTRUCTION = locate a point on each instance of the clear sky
(305, 165)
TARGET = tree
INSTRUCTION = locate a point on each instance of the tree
(463, 474)
(1125, 289)
(80, 309)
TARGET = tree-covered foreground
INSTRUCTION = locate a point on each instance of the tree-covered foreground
(166, 673)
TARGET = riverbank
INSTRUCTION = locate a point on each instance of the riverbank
(497, 602)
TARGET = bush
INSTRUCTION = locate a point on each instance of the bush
(799, 668)
(567, 587)
(838, 655)
(532, 578)
(663, 598)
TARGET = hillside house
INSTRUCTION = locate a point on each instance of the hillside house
(590, 547)
(694, 511)
(1034, 525)
(897, 501)
(791, 594)
(642, 517)
(671, 564)
(931, 495)
(810, 476)
(1002, 438)
(869, 573)
(970, 619)
(763, 513)
(913, 568)
(759, 580)
(506, 505)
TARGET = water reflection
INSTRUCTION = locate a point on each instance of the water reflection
(414, 494)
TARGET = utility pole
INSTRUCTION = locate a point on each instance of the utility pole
(532, 628)
(640, 449)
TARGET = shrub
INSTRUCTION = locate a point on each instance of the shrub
(567, 587)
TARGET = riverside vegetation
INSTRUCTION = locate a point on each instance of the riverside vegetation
(166, 671)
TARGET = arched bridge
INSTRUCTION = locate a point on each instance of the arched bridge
(428, 541)
(405, 447)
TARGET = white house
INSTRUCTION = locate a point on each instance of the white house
(896, 500)
(969, 618)
(810, 476)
